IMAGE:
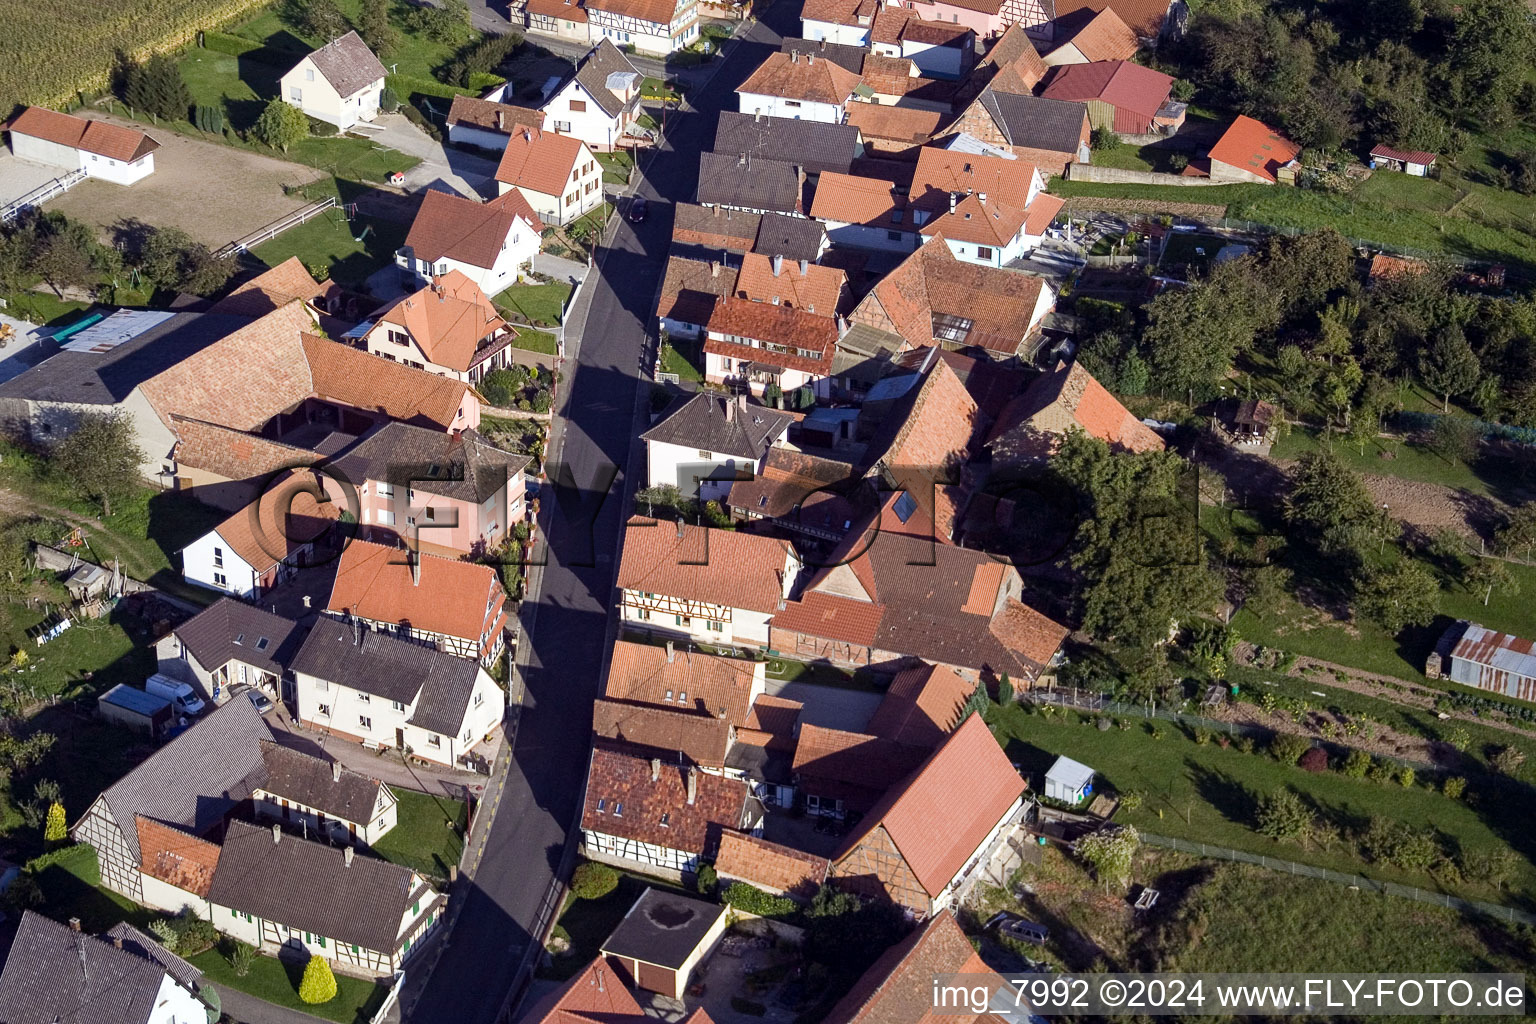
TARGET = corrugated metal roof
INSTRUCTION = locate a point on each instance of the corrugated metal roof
(1501, 651)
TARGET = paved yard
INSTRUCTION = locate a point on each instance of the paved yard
(214, 193)
(18, 177)
(830, 707)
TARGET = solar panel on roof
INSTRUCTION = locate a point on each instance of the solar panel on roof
(905, 506)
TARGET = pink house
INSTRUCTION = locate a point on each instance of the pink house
(451, 495)
(984, 17)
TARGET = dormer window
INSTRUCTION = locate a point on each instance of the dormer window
(618, 809)
(602, 805)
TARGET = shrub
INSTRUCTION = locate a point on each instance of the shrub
(1245, 744)
(1380, 770)
(1287, 747)
(1201, 735)
(752, 900)
(707, 880)
(1154, 731)
(56, 830)
(1405, 777)
(1314, 760)
(194, 934)
(541, 400)
(389, 102)
(1508, 761)
(501, 387)
(594, 881)
(420, 120)
(319, 984)
(241, 958)
(1454, 786)
(321, 129)
(208, 119)
(1357, 764)
(165, 933)
(1132, 800)
(480, 81)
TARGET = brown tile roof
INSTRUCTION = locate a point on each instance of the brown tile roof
(967, 784)
(1255, 147)
(285, 517)
(538, 160)
(690, 289)
(773, 723)
(850, 199)
(175, 857)
(596, 993)
(327, 786)
(932, 283)
(898, 76)
(623, 799)
(788, 480)
(832, 616)
(99, 137)
(464, 230)
(233, 454)
(926, 436)
(714, 227)
(1101, 36)
(275, 288)
(991, 384)
(898, 988)
(568, 10)
(680, 679)
(922, 705)
(769, 866)
(353, 377)
(676, 736)
(1006, 184)
(856, 759)
(1144, 17)
(242, 379)
(449, 317)
(894, 124)
(1119, 83)
(1386, 267)
(657, 12)
(1012, 60)
(1033, 424)
(496, 117)
(375, 582)
(801, 284)
(935, 33)
(840, 12)
(808, 79)
(721, 567)
(778, 325)
(348, 64)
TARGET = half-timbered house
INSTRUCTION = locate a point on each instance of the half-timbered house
(650, 26)
(322, 798)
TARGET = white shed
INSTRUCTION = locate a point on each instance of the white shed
(1068, 780)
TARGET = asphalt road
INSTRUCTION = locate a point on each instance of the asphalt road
(568, 627)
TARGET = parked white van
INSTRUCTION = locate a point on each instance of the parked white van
(183, 698)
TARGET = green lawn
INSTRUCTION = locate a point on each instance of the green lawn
(684, 358)
(71, 886)
(43, 308)
(356, 1000)
(1208, 794)
(420, 838)
(538, 304)
(349, 250)
(616, 167)
(1181, 249)
(589, 922)
(1388, 456)
(823, 674)
(537, 341)
(1129, 158)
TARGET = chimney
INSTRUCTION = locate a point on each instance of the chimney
(346, 857)
(805, 265)
(810, 58)
(693, 785)
(679, 529)
(527, 135)
(741, 161)
(74, 924)
(982, 196)
(741, 401)
(671, 652)
(714, 269)
(306, 602)
(415, 568)
(794, 56)
(730, 411)
(778, 264)
(758, 117)
(335, 771)
(501, 120)
(117, 942)
(277, 833)
(655, 769)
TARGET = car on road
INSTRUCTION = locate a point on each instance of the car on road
(638, 208)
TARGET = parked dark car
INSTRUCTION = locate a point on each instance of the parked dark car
(638, 208)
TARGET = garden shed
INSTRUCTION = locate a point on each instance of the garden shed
(662, 939)
(1069, 781)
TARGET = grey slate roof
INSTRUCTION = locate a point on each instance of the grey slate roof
(136, 942)
(348, 64)
(1035, 122)
(814, 145)
(716, 423)
(605, 59)
(468, 467)
(388, 667)
(313, 782)
(794, 238)
(105, 378)
(230, 630)
(748, 183)
(841, 54)
(197, 778)
(54, 973)
(662, 928)
(363, 902)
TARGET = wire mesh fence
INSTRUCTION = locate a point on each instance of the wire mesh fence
(1509, 915)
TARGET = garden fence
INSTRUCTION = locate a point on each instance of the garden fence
(1509, 915)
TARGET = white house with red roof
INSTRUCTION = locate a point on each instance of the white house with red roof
(488, 243)
(800, 87)
(101, 150)
(990, 210)
(565, 19)
(557, 174)
(650, 26)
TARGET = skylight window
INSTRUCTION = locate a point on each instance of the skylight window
(261, 644)
(905, 506)
(950, 327)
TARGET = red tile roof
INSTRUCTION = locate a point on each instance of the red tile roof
(776, 325)
(683, 679)
(1119, 83)
(539, 161)
(773, 723)
(449, 317)
(461, 229)
(1033, 424)
(721, 567)
(597, 993)
(1144, 17)
(840, 12)
(854, 758)
(833, 616)
(233, 454)
(921, 705)
(1255, 147)
(690, 289)
(851, 199)
(1013, 62)
(813, 288)
(624, 799)
(174, 857)
(274, 526)
(452, 597)
(275, 288)
(569, 10)
(968, 785)
(657, 12)
(93, 136)
(769, 866)
(894, 124)
(353, 377)
(804, 78)
(898, 989)
(1005, 184)
(1103, 36)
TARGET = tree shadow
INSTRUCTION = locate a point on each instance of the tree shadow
(1233, 800)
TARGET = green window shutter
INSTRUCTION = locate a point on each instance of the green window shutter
(354, 947)
(322, 942)
(416, 907)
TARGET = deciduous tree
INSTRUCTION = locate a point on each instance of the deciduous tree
(1110, 853)
(377, 30)
(101, 459)
(1329, 505)
(1405, 594)
(281, 126)
(1449, 366)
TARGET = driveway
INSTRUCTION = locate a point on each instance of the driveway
(441, 167)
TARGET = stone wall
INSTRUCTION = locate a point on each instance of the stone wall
(1091, 172)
